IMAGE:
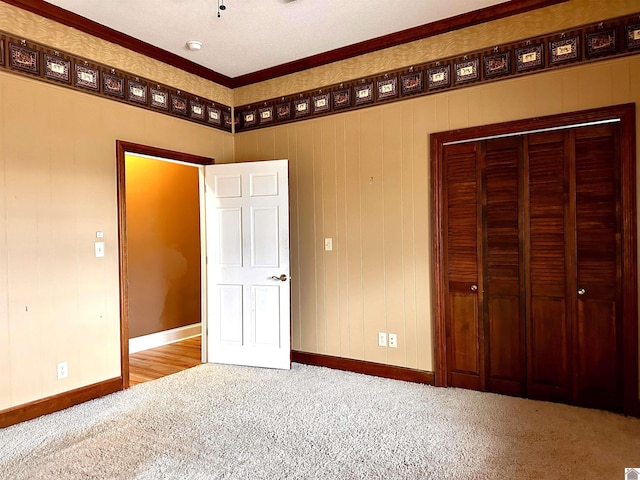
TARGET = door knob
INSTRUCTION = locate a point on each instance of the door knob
(474, 288)
(282, 278)
(581, 291)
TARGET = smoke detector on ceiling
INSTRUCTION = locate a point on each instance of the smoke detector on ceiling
(194, 45)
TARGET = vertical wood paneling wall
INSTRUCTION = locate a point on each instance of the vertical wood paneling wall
(362, 179)
(356, 178)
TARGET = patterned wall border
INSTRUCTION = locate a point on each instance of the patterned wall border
(24, 57)
(612, 38)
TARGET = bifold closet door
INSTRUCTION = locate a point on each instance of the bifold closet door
(550, 243)
(532, 257)
(598, 330)
(461, 235)
(573, 267)
(503, 266)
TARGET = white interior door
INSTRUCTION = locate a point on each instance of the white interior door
(248, 288)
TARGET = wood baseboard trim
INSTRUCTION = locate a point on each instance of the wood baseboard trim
(361, 366)
(54, 403)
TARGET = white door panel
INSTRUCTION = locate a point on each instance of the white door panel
(247, 230)
(229, 251)
(265, 241)
(229, 306)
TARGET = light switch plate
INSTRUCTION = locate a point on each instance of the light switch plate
(328, 244)
(99, 249)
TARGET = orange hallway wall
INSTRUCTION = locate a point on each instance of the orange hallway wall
(163, 238)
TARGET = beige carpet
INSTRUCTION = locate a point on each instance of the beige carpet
(224, 422)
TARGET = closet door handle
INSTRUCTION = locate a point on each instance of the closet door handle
(581, 291)
(474, 288)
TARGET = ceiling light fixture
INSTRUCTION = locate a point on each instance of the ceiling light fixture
(221, 6)
(194, 45)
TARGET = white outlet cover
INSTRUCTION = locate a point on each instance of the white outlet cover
(63, 370)
(382, 339)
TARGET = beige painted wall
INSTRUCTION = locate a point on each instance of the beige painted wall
(362, 178)
(163, 240)
(57, 188)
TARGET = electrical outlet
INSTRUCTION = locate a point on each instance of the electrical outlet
(393, 340)
(63, 370)
(382, 339)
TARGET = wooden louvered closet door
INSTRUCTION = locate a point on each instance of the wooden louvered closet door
(461, 230)
(503, 268)
(549, 273)
(598, 339)
(533, 266)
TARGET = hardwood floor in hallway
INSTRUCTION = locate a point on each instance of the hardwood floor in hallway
(162, 361)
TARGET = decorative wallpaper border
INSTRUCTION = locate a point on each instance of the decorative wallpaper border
(24, 57)
(588, 43)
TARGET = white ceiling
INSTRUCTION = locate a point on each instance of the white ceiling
(252, 35)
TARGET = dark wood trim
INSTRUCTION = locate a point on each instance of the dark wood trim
(513, 7)
(520, 126)
(131, 147)
(432, 29)
(628, 160)
(361, 366)
(54, 403)
(122, 148)
(123, 255)
(626, 114)
(437, 264)
(98, 30)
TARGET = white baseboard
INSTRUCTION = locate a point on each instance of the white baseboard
(158, 339)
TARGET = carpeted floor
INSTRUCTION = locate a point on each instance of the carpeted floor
(226, 422)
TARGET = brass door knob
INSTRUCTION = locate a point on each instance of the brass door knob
(474, 288)
(581, 291)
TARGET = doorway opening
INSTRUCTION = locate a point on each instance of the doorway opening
(161, 261)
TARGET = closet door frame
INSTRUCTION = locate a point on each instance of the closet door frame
(626, 116)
